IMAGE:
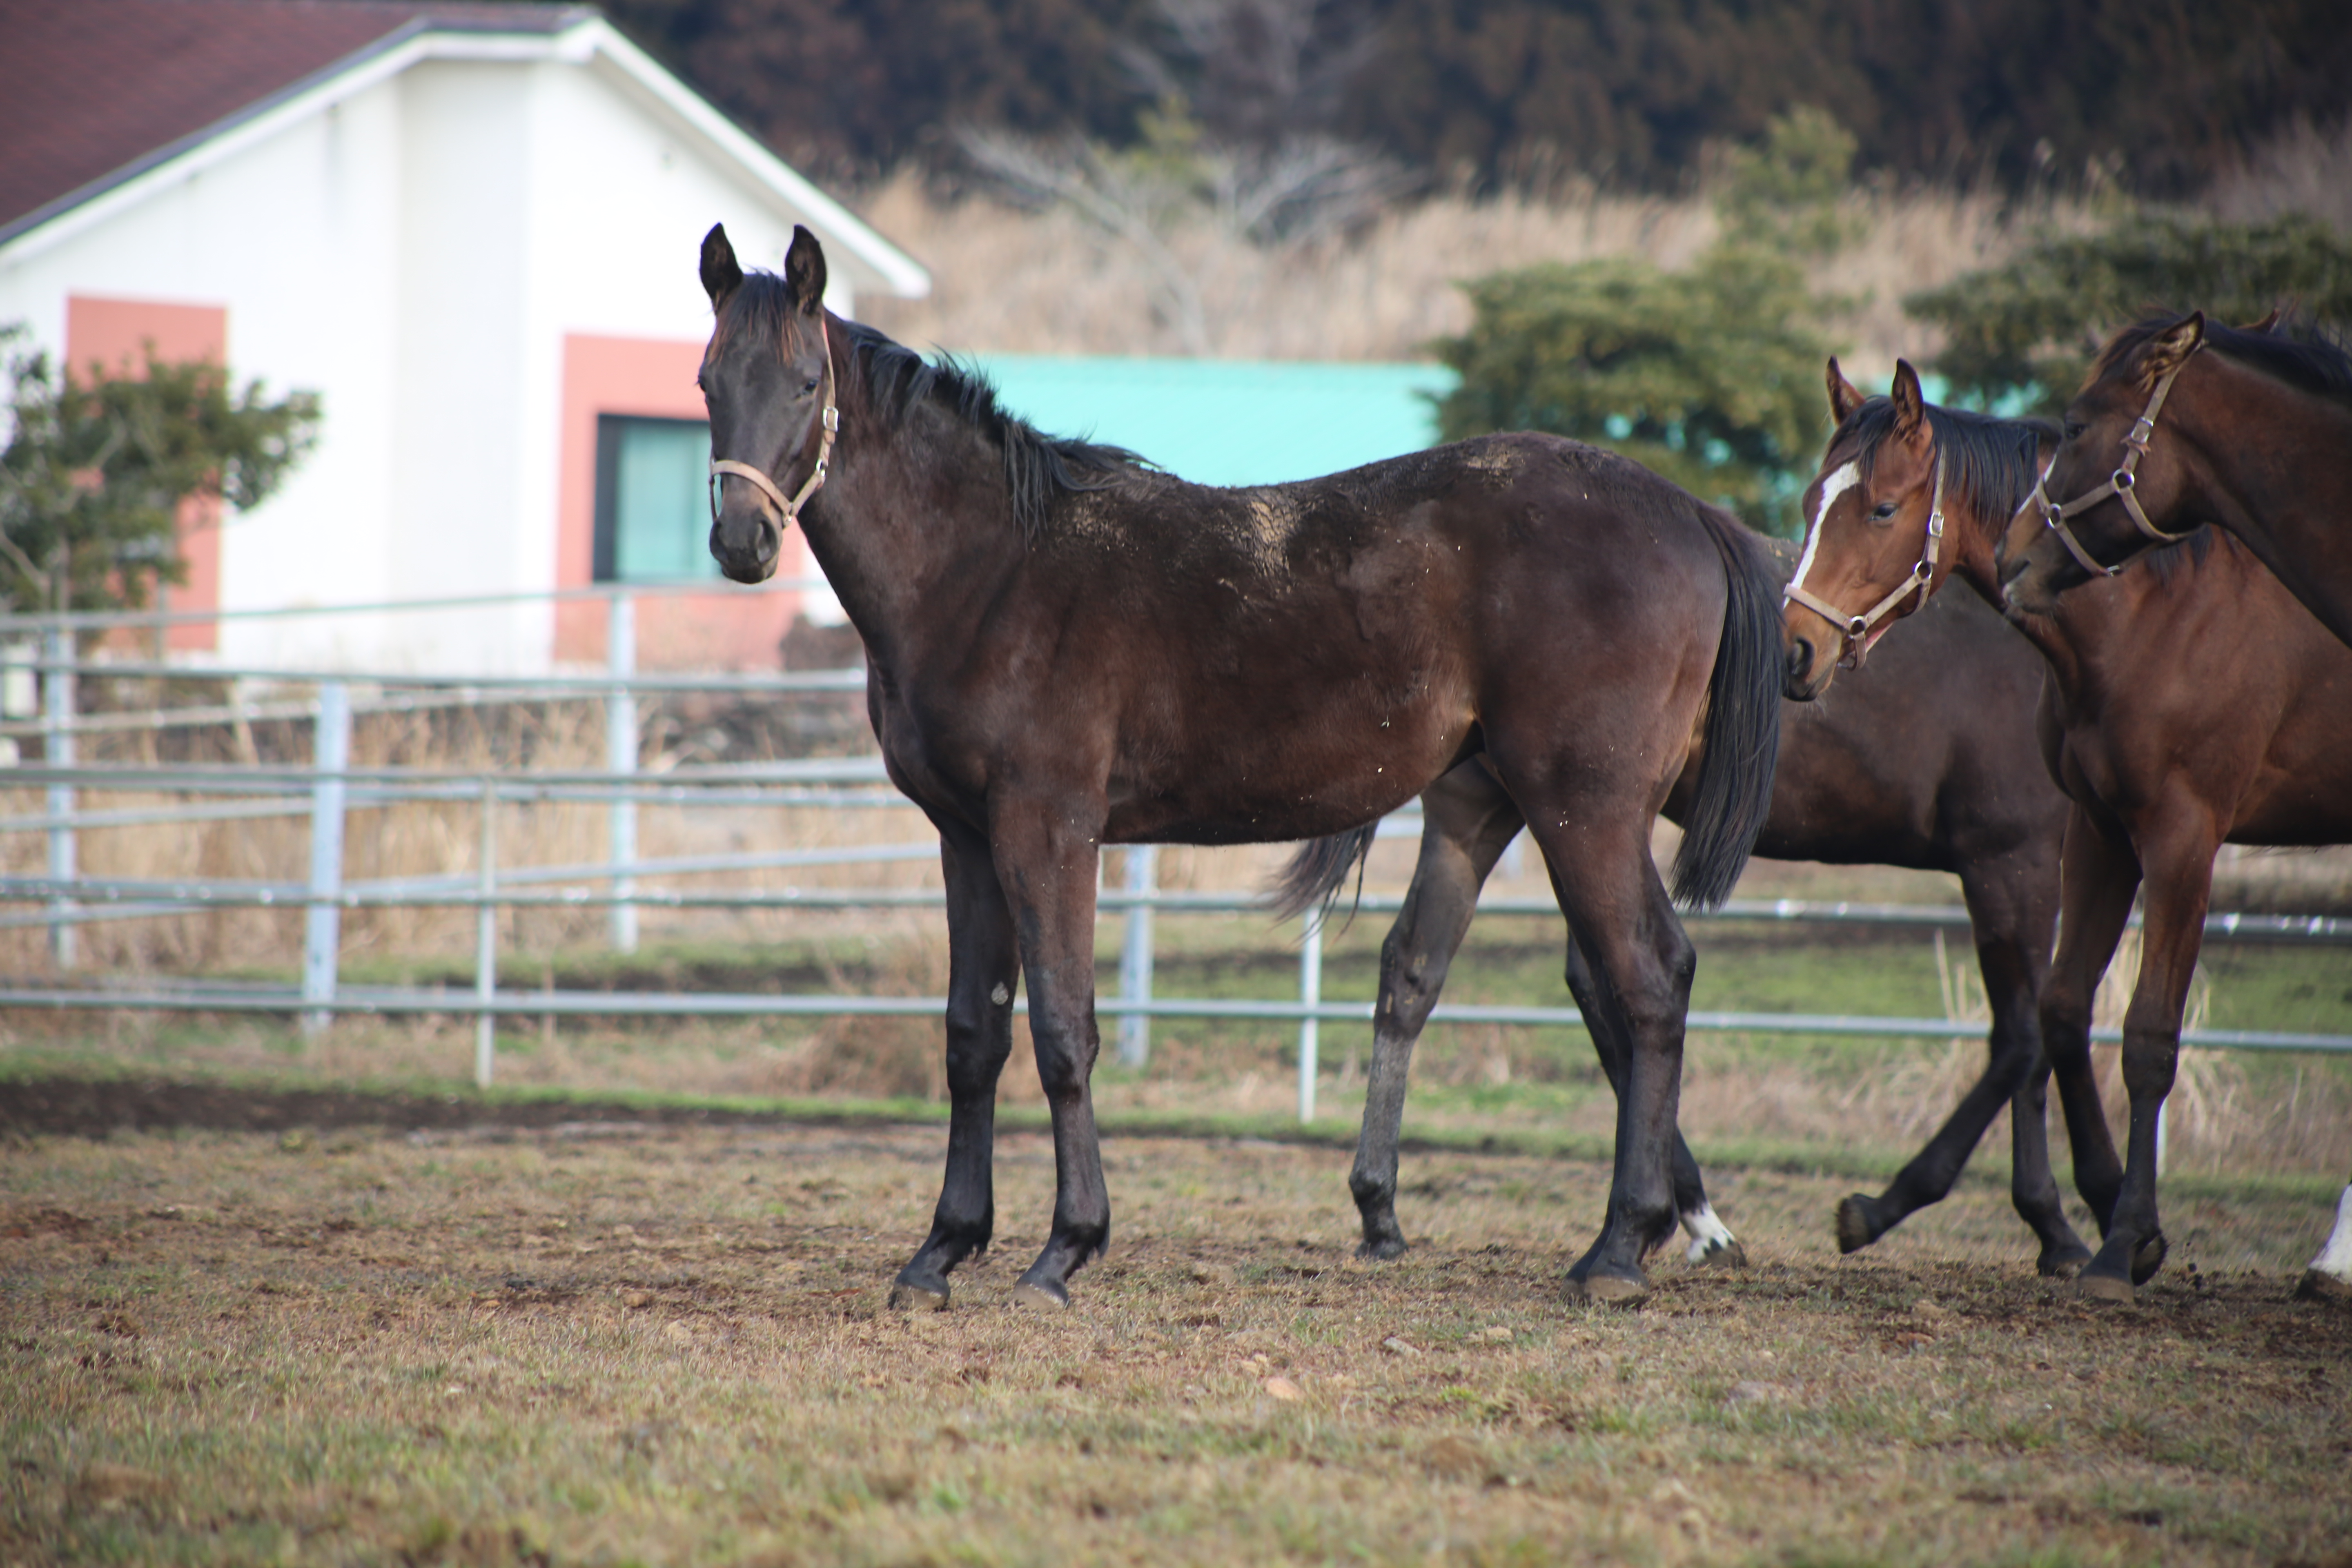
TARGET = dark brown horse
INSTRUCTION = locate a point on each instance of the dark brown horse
(1069, 648)
(2192, 701)
(1927, 759)
(2247, 428)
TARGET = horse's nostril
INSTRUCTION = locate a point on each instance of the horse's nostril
(1801, 657)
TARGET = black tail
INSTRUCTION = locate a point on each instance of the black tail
(1743, 724)
(1318, 872)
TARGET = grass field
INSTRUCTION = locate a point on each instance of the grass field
(611, 1342)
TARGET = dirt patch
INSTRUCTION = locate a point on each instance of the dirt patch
(418, 1335)
(101, 1108)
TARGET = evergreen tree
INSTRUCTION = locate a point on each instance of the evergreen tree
(1711, 376)
(2022, 335)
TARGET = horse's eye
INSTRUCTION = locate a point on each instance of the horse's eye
(1882, 510)
(808, 387)
(2075, 428)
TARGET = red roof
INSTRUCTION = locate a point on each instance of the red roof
(93, 90)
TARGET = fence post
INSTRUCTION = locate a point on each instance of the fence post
(621, 757)
(1134, 956)
(322, 919)
(58, 751)
(1310, 992)
(486, 939)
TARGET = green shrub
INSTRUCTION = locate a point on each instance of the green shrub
(1710, 376)
(2022, 334)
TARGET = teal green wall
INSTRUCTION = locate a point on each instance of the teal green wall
(1228, 422)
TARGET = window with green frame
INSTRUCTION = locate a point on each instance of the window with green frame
(653, 509)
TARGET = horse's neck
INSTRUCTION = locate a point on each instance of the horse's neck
(907, 568)
(1973, 542)
(2282, 463)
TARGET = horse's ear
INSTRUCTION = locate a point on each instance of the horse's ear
(1844, 398)
(2268, 324)
(805, 271)
(720, 275)
(2169, 348)
(1910, 407)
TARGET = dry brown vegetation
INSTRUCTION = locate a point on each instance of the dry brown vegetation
(612, 1343)
(1009, 282)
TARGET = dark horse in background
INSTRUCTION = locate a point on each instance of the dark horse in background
(2192, 702)
(2253, 435)
(1069, 648)
(1927, 759)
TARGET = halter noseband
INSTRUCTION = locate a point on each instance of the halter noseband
(1855, 628)
(2122, 484)
(777, 510)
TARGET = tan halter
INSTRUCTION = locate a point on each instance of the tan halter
(779, 512)
(1855, 628)
(2121, 484)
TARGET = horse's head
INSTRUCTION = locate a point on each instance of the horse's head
(2109, 483)
(767, 380)
(1874, 546)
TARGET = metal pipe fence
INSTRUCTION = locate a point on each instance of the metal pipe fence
(328, 791)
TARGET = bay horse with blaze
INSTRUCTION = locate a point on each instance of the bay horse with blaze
(2192, 702)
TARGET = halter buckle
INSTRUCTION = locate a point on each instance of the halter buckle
(2123, 480)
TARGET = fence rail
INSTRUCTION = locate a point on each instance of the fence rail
(328, 790)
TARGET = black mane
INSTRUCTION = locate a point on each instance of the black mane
(1037, 467)
(2304, 356)
(1989, 464)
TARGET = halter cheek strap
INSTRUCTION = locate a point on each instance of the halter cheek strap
(778, 510)
(1856, 628)
(2122, 484)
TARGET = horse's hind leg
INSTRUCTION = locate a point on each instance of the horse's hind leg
(1711, 1241)
(981, 963)
(1643, 962)
(2011, 915)
(1467, 820)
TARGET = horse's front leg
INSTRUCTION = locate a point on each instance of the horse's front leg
(1047, 852)
(982, 961)
(2177, 850)
(2099, 873)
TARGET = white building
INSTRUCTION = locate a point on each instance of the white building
(473, 230)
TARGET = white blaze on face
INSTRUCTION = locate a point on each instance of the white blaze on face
(1834, 484)
(1708, 1235)
(2334, 1260)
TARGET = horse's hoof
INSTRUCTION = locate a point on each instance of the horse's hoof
(2104, 1287)
(1042, 1295)
(2319, 1287)
(1382, 1249)
(2149, 1258)
(918, 1295)
(1718, 1252)
(2064, 1262)
(1606, 1290)
(1854, 1227)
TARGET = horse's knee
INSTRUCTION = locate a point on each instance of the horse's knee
(1065, 1061)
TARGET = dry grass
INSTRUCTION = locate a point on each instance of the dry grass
(1008, 281)
(610, 1345)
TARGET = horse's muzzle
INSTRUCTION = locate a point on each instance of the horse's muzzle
(747, 546)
